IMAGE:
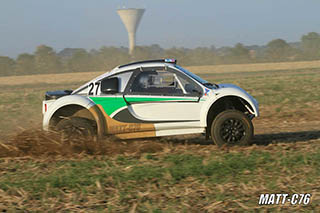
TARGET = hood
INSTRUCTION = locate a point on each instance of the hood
(230, 86)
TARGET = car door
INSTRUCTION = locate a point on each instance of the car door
(112, 103)
(163, 95)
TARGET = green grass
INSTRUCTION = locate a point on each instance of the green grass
(123, 180)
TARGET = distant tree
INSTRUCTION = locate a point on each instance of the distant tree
(278, 50)
(110, 57)
(25, 64)
(311, 45)
(223, 55)
(201, 56)
(67, 53)
(80, 61)
(157, 51)
(142, 53)
(46, 60)
(179, 54)
(239, 54)
(6, 66)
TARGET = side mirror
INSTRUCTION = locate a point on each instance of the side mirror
(110, 86)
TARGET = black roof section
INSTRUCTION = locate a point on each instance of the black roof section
(173, 61)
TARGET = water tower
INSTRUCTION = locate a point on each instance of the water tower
(131, 18)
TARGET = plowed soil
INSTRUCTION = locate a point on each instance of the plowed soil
(268, 132)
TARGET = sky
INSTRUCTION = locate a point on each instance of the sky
(89, 24)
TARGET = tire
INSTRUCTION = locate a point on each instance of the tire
(232, 127)
(73, 128)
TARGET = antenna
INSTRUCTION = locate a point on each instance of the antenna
(131, 18)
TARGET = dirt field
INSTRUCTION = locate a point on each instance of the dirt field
(184, 174)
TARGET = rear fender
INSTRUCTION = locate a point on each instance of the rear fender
(79, 101)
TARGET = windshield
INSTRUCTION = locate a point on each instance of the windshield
(194, 76)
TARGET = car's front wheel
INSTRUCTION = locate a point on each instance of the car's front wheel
(231, 127)
(75, 128)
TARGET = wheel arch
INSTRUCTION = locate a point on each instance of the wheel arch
(78, 106)
(229, 102)
(68, 111)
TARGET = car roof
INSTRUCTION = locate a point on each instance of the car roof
(136, 65)
(174, 61)
(131, 66)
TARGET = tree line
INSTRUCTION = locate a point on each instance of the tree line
(46, 60)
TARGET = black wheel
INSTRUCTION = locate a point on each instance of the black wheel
(74, 128)
(232, 127)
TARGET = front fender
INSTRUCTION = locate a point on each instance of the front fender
(231, 91)
(64, 101)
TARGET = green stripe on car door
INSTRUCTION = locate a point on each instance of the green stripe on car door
(156, 99)
(112, 104)
(109, 104)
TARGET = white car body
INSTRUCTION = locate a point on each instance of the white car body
(132, 115)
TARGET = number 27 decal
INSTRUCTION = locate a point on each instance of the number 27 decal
(94, 87)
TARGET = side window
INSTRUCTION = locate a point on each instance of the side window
(157, 82)
(189, 86)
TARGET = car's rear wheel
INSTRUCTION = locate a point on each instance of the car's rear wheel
(232, 127)
(73, 128)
